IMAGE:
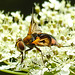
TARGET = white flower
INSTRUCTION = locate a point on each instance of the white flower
(2, 16)
(17, 14)
(28, 18)
(65, 70)
(71, 52)
(45, 4)
(15, 27)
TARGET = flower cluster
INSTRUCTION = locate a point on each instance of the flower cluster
(57, 19)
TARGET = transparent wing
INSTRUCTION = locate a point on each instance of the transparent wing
(34, 28)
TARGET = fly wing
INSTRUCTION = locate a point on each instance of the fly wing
(34, 28)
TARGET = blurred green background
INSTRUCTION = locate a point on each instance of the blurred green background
(25, 6)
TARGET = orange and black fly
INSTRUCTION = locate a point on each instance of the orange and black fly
(35, 38)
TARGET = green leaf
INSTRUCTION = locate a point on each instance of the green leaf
(11, 72)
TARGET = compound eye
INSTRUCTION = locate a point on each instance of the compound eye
(18, 40)
(21, 45)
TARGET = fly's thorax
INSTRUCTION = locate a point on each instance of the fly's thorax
(28, 40)
(34, 36)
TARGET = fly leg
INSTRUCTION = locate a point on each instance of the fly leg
(27, 51)
(41, 53)
(22, 57)
(25, 54)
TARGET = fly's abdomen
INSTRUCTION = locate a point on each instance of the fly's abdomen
(50, 38)
(44, 40)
